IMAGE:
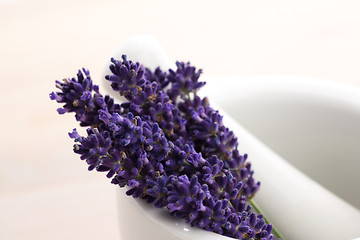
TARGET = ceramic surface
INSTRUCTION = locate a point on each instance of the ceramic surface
(299, 206)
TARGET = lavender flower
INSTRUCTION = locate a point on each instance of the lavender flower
(79, 95)
(167, 145)
(128, 78)
(184, 81)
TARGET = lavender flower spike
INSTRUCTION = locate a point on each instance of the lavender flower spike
(79, 95)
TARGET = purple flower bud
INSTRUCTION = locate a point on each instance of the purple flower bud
(243, 228)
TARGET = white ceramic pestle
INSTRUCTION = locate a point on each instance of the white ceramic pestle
(299, 207)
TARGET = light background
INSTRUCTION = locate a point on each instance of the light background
(45, 191)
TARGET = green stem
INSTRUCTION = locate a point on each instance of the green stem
(257, 209)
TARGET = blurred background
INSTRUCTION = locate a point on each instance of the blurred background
(45, 190)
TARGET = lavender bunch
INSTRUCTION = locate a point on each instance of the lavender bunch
(167, 145)
(191, 120)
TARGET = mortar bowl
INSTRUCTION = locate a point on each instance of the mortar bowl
(302, 136)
